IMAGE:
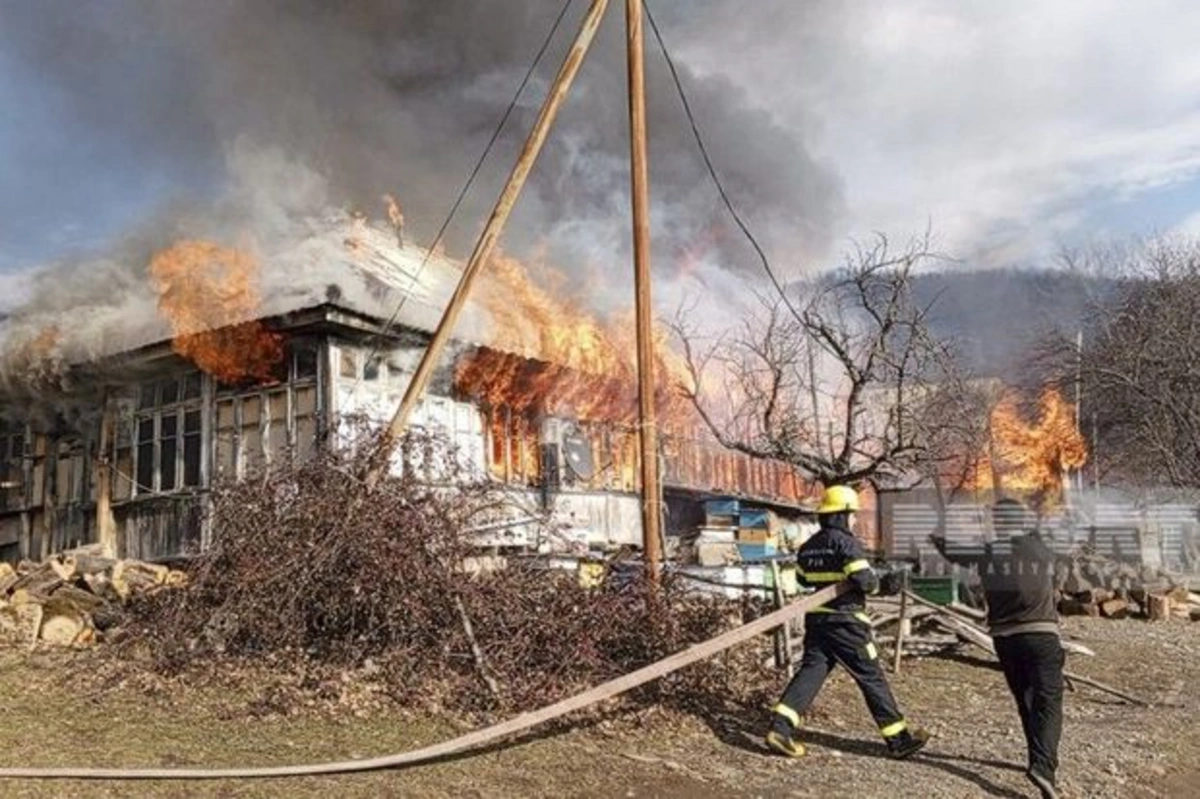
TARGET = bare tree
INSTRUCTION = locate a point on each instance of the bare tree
(848, 385)
(1139, 364)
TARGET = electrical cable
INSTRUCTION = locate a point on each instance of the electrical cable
(712, 171)
(462, 194)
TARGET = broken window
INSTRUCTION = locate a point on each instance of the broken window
(168, 451)
(191, 386)
(306, 361)
(191, 449)
(145, 456)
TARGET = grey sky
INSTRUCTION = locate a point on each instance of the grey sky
(1010, 127)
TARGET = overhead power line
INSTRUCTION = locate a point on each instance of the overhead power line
(466, 187)
(712, 170)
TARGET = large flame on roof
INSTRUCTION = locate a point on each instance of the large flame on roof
(208, 294)
(1031, 456)
(551, 356)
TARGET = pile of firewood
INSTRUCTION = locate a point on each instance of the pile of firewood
(1097, 586)
(70, 598)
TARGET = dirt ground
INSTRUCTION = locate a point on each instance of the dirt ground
(1110, 749)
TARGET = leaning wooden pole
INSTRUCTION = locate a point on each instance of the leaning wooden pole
(647, 425)
(487, 239)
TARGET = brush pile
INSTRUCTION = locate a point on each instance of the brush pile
(310, 569)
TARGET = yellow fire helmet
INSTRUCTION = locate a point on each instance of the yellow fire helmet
(838, 499)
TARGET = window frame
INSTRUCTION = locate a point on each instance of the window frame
(185, 393)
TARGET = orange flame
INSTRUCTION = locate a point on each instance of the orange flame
(1031, 457)
(565, 361)
(393, 211)
(207, 293)
(395, 217)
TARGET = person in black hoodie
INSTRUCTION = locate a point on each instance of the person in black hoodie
(1018, 573)
(839, 632)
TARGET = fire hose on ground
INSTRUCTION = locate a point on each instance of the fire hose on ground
(472, 740)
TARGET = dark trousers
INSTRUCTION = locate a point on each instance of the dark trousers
(828, 643)
(1033, 667)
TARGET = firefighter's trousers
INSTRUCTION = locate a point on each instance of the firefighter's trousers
(844, 640)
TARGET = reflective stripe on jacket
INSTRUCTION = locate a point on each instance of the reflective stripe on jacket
(833, 555)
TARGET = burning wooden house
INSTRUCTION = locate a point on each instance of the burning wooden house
(117, 440)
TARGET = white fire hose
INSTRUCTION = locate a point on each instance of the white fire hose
(471, 740)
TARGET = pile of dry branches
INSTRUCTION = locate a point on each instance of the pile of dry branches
(310, 569)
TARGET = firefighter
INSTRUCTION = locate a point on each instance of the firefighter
(839, 632)
(1018, 572)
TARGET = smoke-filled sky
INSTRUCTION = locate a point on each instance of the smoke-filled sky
(1010, 128)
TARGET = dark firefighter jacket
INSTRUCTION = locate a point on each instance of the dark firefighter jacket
(830, 556)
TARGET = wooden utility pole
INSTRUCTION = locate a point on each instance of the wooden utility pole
(106, 528)
(487, 239)
(647, 426)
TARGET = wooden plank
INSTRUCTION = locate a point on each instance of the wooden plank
(977, 635)
(902, 630)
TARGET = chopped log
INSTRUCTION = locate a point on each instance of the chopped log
(84, 600)
(1193, 598)
(22, 596)
(133, 576)
(1094, 596)
(100, 584)
(87, 563)
(1114, 609)
(1178, 595)
(1158, 607)
(23, 620)
(8, 576)
(10, 620)
(63, 567)
(39, 582)
(63, 623)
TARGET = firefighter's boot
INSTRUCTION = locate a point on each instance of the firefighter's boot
(783, 729)
(907, 743)
(784, 744)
